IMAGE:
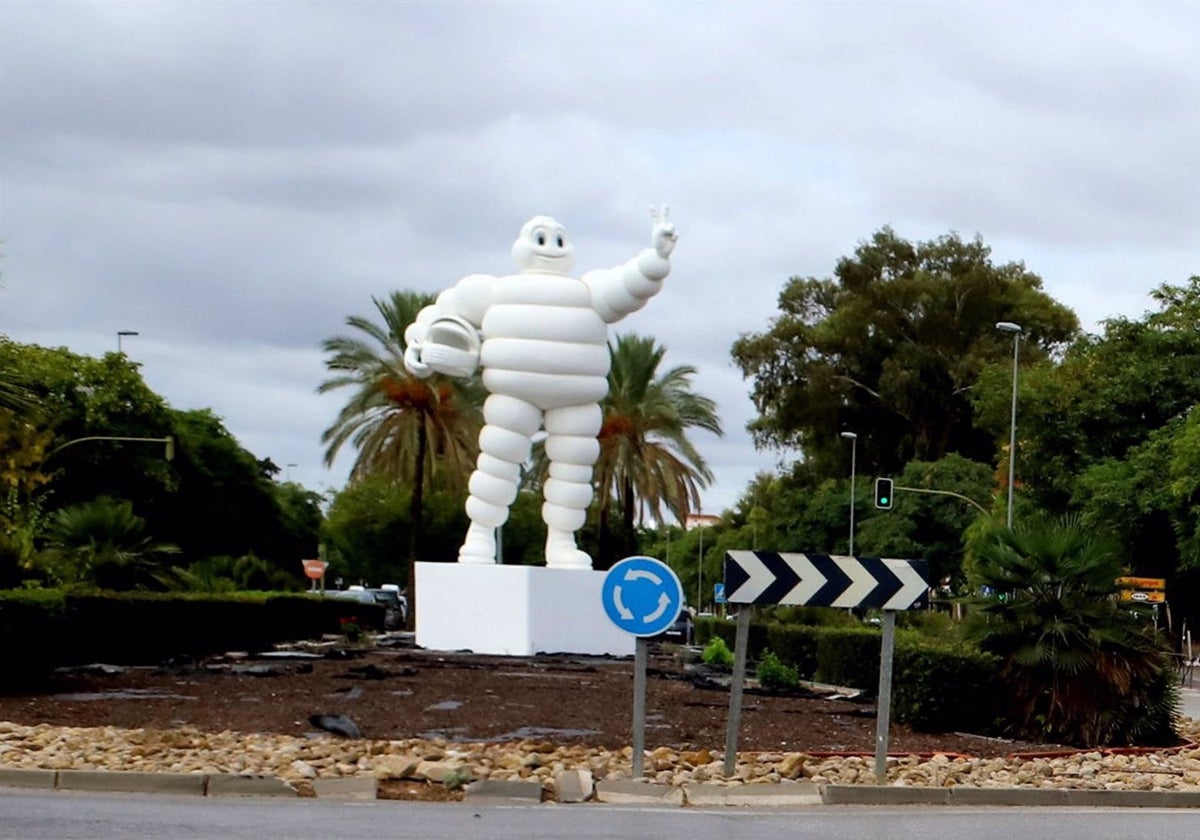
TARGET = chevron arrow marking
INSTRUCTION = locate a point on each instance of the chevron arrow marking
(862, 582)
(913, 587)
(767, 577)
(753, 580)
(811, 580)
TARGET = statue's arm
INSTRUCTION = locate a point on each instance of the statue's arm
(618, 291)
(465, 302)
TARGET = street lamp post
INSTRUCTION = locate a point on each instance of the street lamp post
(121, 334)
(1015, 329)
(853, 438)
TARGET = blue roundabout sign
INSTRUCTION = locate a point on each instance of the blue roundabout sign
(642, 596)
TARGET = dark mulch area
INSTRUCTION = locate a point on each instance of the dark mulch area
(405, 692)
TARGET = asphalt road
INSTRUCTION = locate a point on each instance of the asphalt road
(1189, 700)
(68, 816)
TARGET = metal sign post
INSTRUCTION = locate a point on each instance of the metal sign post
(639, 708)
(883, 713)
(822, 580)
(735, 690)
(643, 597)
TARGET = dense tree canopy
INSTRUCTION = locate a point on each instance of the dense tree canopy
(890, 348)
(212, 498)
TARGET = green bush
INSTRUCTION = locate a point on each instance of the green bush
(796, 644)
(716, 652)
(709, 628)
(942, 688)
(816, 616)
(848, 657)
(773, 675)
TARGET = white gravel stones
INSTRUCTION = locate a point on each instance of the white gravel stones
(298, 759)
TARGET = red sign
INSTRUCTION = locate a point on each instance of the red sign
(315, 569)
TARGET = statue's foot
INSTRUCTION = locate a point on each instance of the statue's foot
(562, 553)
(479, 546)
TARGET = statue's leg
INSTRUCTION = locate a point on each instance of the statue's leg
(504, 445)
(572, 449)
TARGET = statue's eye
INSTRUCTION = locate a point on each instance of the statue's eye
(560, 240)
(541, 239)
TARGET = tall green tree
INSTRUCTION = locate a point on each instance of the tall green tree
(647, 462)
(1104, 397)
(890, 347)
(85, 397)
(214, 498)
(1110, 430)
(411, 429)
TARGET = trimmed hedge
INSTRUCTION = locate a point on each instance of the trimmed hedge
(939, 688)
(936, 685)
(57, 629)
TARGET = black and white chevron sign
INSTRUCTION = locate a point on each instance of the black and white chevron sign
(821, 580)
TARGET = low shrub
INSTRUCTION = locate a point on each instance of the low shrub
(773, 675)
(716, 652)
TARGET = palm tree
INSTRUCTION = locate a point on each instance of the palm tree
(103, 542)
(646, 461)
(411, 429)
(1075, 668)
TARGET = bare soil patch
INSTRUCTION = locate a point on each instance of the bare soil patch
(406, 692)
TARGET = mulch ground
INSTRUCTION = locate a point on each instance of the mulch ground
(406, 692)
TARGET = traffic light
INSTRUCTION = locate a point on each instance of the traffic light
(883, 493)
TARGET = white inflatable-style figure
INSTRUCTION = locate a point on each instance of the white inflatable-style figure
(541, 337)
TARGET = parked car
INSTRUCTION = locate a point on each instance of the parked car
(395, 612)
(681, 631)
(396, 605)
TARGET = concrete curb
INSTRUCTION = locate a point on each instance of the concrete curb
(487, 791)
(629, 792)
(190, 784)
(40, 779)
(224, 784)
(753, 796)
(620, 791)
(350, 787)
(1015, 797)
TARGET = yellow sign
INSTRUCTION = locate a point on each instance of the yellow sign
(1141, 583)
(1139, 596)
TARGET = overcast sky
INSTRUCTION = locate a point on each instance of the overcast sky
(233, 179)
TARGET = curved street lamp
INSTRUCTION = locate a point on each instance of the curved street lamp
(169, 441)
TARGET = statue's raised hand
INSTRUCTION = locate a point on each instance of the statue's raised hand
(664, 235)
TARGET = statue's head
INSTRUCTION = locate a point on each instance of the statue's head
(543, 247)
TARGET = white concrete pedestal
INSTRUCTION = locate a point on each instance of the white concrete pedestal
(514, 610)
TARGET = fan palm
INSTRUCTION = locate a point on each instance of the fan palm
(103, 542)
(647, 463)
(1075, 667)
(410, 429)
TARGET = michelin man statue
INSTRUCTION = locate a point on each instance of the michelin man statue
(541, 338)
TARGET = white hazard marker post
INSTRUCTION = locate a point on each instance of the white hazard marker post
(822, 580)
(643, 597)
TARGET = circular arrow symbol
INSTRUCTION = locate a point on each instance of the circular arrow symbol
(642, 596)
